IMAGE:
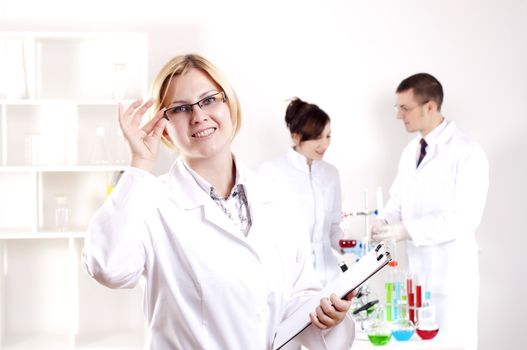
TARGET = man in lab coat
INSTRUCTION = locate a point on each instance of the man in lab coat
(436, 203)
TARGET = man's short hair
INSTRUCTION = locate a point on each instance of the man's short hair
(425, 88)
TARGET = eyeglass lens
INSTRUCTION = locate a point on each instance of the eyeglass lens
(207, 104)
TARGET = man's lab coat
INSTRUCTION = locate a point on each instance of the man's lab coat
(441, 205)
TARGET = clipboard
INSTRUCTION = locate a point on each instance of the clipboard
(351, 279)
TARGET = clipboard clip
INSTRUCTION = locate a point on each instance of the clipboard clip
(381, 255)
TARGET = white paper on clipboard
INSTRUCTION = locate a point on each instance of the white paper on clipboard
(358, 273)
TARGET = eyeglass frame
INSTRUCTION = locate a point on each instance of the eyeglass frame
(405, 109)
(199, 103)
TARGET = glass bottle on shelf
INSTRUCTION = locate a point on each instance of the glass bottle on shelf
(119, 72)
(121, 152)
(100, 154)
(61, 213)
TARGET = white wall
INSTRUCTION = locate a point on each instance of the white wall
(348, 57)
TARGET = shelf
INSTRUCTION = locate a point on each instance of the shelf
(40, 342)
(132, 340)
(61, 168)
(73, 35)
(27, 234)
(61, 153)
(37, 293)
(38, 102)
(99, 66)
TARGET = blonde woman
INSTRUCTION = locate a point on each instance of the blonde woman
(221, 256)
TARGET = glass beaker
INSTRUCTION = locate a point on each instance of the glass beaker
(402, 329)
(379, 331)
(427, 327)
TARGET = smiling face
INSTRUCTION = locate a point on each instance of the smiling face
(198, 134)
(316, 148)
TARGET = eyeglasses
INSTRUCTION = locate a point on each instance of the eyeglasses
(406, 109)
(208, 104)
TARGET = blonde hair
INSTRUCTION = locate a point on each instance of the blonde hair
(180, 65)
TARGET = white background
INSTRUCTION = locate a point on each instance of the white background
(348, 57)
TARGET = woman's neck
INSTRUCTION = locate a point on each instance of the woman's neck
(219, 171)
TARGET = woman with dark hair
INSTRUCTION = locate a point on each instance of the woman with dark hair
(315, 183)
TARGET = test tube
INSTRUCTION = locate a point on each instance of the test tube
(398, 296)
(389, 300)
(418, 296)
(411, 307)
(409, 284)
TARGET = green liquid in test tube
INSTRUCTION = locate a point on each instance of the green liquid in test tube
(390, 288)
(389, 300)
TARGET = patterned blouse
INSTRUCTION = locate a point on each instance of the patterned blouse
(235, 206)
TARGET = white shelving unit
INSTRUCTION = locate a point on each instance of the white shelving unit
(59, 138)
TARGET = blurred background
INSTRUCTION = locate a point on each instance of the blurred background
(348, 57)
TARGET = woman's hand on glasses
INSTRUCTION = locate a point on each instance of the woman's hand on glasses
(143, 140)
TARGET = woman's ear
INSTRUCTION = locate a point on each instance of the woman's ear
(296, 138)
(167, 138)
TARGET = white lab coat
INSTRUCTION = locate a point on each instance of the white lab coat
(206, 285)
(317, 188)
(441, 205)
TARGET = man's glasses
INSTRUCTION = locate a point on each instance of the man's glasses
(208, 104)
(406, 109)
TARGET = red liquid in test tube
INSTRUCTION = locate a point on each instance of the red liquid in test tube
(411, 308)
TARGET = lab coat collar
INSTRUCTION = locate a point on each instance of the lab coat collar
(434, 137)
(437, 140)
(446, 133)
(189, 194)
(205, 185)
(439, 136)
(299, 161)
